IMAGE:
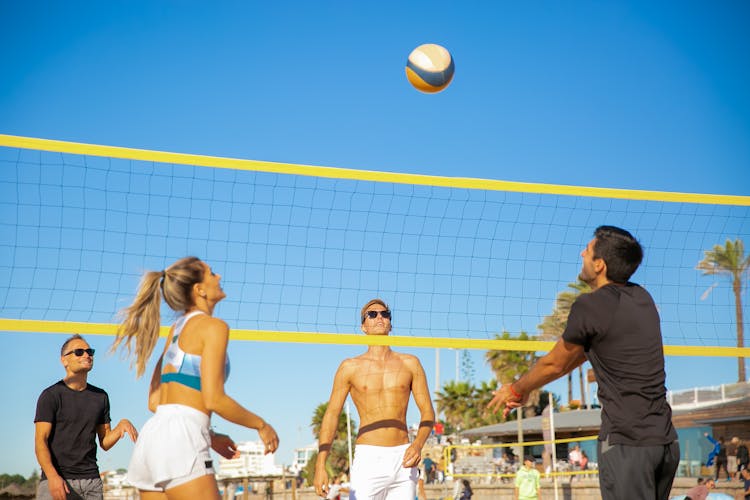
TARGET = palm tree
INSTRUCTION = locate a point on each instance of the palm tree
(554, 324)
(483, 395)
(731, 260)
(465, 405)
(509, 366)
(341, 432)
(338, 458)
(456, 402)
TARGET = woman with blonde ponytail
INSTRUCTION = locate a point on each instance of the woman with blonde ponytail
(171, 459)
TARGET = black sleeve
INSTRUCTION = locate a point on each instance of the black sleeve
(589, 316)
(576, 330)
(46, 407)
(105, 419)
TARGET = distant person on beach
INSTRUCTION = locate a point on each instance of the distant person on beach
(429, 468)
(421, 493)
(701, 490)
(171, 460)
(70, 415)
(617, 329)
(462, 490)
(574, 456)
(527, 480)
(718, 455)
(380, 382)
(743, 456)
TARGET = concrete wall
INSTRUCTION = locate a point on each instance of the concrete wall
(580, 489)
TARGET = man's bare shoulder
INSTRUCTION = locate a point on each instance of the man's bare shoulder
(409, 360)
(349, 365)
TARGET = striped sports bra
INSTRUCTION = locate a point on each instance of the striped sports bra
(188, 366)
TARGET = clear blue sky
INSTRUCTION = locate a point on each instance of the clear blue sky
(638, 95)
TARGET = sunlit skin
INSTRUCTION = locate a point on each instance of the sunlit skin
(380, 382)
(208, 337)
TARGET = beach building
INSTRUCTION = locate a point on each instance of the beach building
(302, 456)
(252, 462)
(717, 410)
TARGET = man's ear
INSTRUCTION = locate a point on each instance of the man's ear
(600, 266)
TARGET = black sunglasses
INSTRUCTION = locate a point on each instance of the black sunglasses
(374, 314)
(79, 352)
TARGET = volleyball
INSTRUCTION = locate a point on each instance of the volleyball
(429, 68)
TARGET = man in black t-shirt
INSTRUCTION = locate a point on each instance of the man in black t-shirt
(616, 328)
(743, 456)
(70, 414)
(721, 459)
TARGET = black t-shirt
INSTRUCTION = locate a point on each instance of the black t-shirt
(722, 455)
(618, 327)
(742, 454)
(74, 416)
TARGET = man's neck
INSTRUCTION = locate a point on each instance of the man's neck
(380, 352)
(599, 281)
(76, 381)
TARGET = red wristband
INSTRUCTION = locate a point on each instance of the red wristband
(514, 393)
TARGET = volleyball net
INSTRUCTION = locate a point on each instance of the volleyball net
(301, 248)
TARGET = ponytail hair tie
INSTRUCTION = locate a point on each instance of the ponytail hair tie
(163, 274)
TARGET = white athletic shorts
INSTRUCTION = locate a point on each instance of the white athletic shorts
(172, 449)
(377, 474)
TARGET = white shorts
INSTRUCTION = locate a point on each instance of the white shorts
(377, 474)
(172, 449)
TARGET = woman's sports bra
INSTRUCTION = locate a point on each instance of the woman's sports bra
(188, 366)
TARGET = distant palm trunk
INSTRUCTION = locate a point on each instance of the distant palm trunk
(570, 387)
(737, 287)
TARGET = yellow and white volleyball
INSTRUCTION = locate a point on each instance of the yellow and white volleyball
(430, 68)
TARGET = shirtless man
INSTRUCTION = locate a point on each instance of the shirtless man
(380, 382)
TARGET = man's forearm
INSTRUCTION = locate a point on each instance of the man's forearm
(322, 457)
(44, 457)
(425, 427)
(324, 444)
(111, 438)
(540, 374)
(545, 370)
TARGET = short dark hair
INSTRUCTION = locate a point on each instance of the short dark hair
(70, 339)
(620, 251)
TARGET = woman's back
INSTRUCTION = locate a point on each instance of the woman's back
(183, 360)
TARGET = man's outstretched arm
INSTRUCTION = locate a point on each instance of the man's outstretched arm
(563, 358)
(108, 437)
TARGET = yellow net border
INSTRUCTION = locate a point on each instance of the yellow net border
(39, 326)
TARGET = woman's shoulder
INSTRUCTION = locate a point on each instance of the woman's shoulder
(205, 324)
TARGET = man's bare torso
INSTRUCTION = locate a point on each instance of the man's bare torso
(380, 389)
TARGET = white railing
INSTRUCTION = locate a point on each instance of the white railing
(698, 396)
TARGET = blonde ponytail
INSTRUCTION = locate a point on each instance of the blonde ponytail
(142, 318)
